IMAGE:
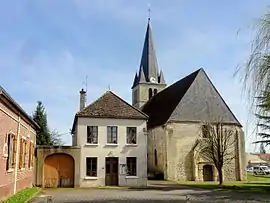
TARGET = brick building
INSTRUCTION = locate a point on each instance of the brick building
(17, 144)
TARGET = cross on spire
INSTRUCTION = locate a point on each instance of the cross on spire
(149, 12)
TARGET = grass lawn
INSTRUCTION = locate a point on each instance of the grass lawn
(254, 183)
(23, 196)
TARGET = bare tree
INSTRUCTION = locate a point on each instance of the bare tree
(217, 145)
(56, 138)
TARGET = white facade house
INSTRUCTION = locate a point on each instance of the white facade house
(113, 141)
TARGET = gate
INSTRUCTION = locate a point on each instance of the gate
(58, 171)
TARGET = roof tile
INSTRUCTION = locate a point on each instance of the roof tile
(110, 105)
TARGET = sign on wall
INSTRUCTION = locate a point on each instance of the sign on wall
(123, 169)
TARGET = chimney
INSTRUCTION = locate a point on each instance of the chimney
(82, 99)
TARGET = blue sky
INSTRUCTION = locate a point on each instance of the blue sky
(48, 47)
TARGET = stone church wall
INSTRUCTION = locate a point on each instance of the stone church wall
(175, 143)
(181, 139)
(157, 140)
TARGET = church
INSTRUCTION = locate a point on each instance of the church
(176, 114)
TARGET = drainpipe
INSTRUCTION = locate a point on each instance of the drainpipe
(17, 155)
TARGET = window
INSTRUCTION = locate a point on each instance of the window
(25, 154)
(150, 93)
(156, 161)
(92, 134)
(155, 91)
(91, 166)
(22, 153)
(131, 135)
(131, 166)
(204, 131)
(112, 134)
(30, 155)
(11, 144)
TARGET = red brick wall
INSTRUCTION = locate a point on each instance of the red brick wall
(9, 123)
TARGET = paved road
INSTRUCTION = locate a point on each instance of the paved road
(154, 193)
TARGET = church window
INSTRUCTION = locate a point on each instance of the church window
(155, 91)
(205, 131)
(156, 160)
(150, 93)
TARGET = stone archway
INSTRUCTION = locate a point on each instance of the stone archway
(208, 173)
(58, 170)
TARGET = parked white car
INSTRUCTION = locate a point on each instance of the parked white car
(261, 170)
(249, 169)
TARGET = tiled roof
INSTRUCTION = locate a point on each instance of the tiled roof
(4, 93)
(193, 98)
(110, 105)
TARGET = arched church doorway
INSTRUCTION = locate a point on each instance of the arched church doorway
(208, 173)
(59, 171)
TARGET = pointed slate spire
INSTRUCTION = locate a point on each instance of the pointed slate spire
(161, 78)
(135, 81)
(149, 60)
(141, 78)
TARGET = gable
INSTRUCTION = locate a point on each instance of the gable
(160, 107)
(202, 102)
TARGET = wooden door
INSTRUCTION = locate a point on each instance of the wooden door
(111, 173)
(59, 171)
(208, 173)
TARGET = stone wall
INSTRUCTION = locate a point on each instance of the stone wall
(157, 141)
(44, 151)
(142, 94)
(178, 159)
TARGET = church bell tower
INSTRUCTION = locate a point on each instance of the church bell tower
(149, 80)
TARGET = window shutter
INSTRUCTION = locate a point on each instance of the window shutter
(33, 152)
(21, 154)
(29, 154)
(25, 154)
(14, 150)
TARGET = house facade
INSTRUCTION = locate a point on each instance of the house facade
(176, 115)
(17, 144)
(112, 138)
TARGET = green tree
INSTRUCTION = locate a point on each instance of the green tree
(43, 133)
(256, 76)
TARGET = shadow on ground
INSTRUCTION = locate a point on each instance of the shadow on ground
(162, 187)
